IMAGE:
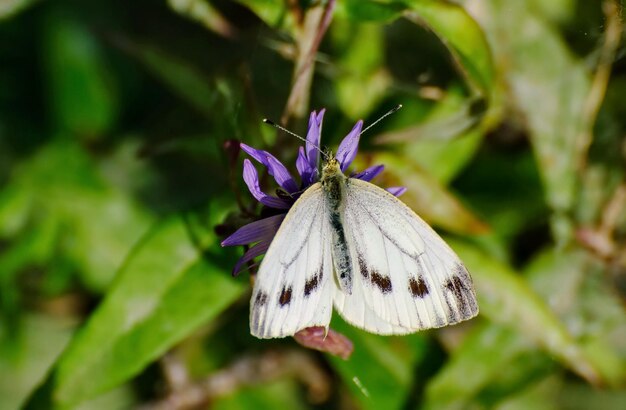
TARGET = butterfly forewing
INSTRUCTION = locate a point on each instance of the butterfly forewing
(405, 278)
(401, 278)
(293, 288)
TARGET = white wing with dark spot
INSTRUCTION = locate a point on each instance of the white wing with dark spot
(405, 277)
(293, 288)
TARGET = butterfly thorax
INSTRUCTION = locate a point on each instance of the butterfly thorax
(333, 182)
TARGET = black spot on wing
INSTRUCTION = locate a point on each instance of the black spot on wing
(285, 296)
(463, 274)
(460, 285)
(418, 287)
(260, 299)
(382, 282)
(313, 283)
(455, 285)
(471, 295)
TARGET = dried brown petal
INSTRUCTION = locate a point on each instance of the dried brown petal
(330, 342)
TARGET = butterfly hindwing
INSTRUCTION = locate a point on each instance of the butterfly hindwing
(293, 288)
(405, 277)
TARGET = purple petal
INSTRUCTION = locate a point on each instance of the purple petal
(274, 167)
(320, 116)
(349, 146)
(258, 154)
(260, 230)
(369, 173)
(281, 175)
(396, 190)
(313, 138)
(251, 178)
(304, 169)
(302, 164)
(258, 249)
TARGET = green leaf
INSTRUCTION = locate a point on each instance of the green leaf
(100, 222)
(586, 303)
(485, 352)
(83, 96)
(185, 80)
(445, 140)
(33, 248)
(283, 393)
(380, 371)
(445, 159)
(542, 395)
(23, 365)
(506, 298)
(550, 87)
(463, 37)
(504, 187)
(368, 10)
(204, 13)
(15, 206)
(365, 82)
(560, 11)
(523, 323)
(270, 11)
(578, 396)
(162, 294)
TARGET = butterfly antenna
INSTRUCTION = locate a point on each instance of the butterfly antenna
(387, 114)
(273, 124)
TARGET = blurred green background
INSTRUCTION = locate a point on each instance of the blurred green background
(119, 177)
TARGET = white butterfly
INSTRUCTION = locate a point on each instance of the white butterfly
(349, 244)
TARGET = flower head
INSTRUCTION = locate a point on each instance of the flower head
(261, 232)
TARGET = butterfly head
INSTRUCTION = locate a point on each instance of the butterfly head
(331, 170)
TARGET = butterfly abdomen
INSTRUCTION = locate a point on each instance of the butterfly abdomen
(334, 184)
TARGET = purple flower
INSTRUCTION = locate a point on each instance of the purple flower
(261, 232)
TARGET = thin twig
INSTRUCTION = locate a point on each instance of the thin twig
(246, 371)
(614, 208)
(316, 23)
(600, 81)
(174, 371)
(600, 240)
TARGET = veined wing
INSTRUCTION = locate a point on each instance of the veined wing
(293, 287)
(405, 277)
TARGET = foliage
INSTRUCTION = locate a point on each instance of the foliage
(120, 175)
